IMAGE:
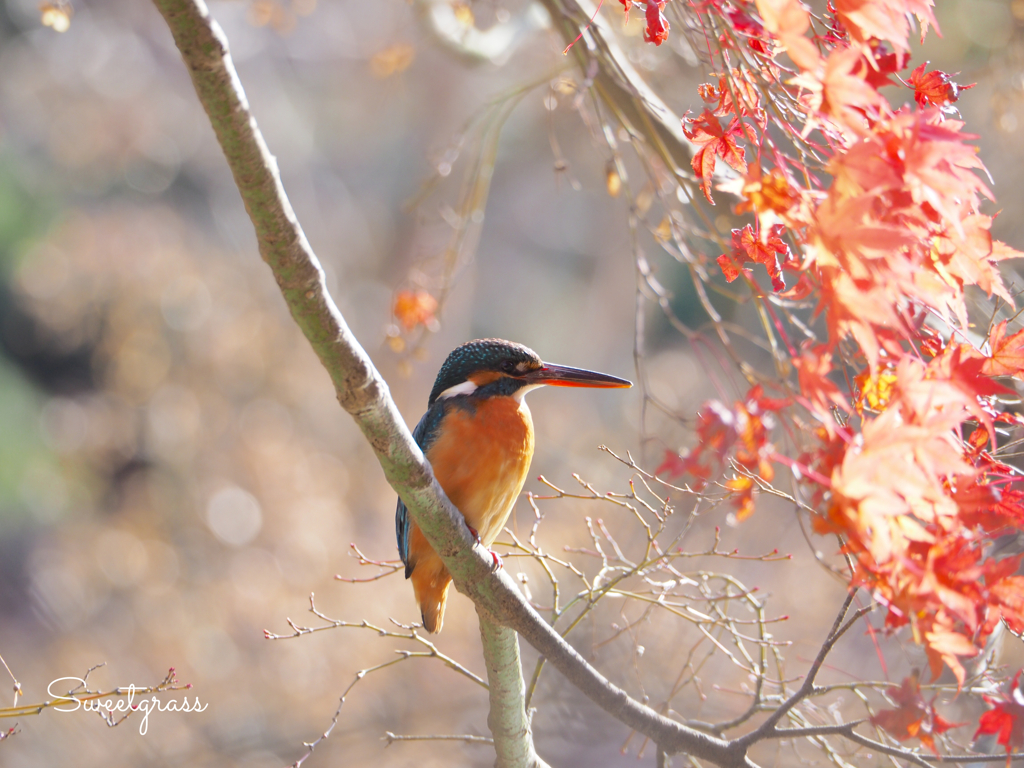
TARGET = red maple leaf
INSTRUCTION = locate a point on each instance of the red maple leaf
(995, 510)
(960, 366)
(1007, 352)
(1010, 506)
(913, 717)
(788, 20)
(657, 27)
(884, 19)
(747, 246)
(715, 141)
(841, 92)
(750, 27)
(684, 463)
(943, 646)
(1006, 718)
(936, 88)
(1001, 251)
(756, 397)
(813, 368)
(747, 94)
(882, 64)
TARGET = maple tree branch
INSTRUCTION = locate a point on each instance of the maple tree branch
(814, 730)
(808, 688)
(885, 749)
(846, 730)
(927, 761)
(972, 759)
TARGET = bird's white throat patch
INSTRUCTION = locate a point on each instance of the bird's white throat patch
(521, 392)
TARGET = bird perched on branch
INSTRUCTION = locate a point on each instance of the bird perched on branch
(477, 435)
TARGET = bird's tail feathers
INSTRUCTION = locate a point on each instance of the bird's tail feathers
(430, 582)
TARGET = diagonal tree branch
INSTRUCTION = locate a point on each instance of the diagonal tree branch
(364, 394)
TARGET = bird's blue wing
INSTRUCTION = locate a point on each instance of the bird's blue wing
(402, 529)
(424, 434)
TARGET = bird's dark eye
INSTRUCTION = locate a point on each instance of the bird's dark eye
(508, 366)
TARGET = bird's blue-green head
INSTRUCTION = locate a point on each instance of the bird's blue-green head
(495, 367)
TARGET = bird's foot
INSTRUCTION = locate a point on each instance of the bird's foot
(496, 565)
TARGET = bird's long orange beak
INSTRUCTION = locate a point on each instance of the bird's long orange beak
(564, 376)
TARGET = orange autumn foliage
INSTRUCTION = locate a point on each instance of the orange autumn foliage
(877, 208)
(413, 308)
(914, 717)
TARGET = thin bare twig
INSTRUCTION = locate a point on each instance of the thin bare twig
(391, 738)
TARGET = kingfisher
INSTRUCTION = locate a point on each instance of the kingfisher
(477, 435)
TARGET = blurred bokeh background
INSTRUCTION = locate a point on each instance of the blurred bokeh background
(175, 475)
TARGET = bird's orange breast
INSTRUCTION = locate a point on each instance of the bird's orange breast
(481, 459)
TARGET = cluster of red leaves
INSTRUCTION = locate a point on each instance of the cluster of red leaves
(916, 503)
(914, 717)
(712, 141)
(736, 436)
(878, 211)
